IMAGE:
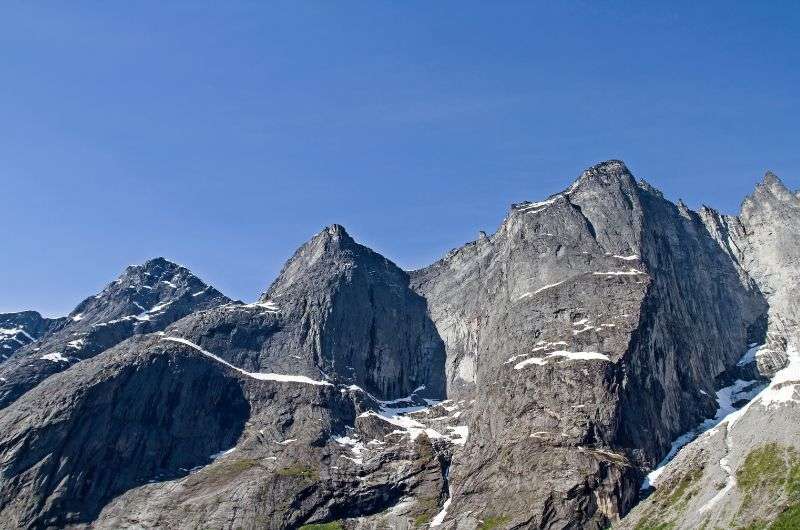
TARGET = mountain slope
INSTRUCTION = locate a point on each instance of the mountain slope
(529, 379)
(22, 328)
(585, 329)
(741, 473)
(144, 299)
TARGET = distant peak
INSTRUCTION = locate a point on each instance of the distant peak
(769, 191)
(605, 173)
(646, 186)
(336, 230)
(610, 172)
(772, 183)
(614, 167)
(771, 178)
(335, 234)
(153, 269)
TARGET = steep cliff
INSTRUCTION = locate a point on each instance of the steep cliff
(742, 471)
(533, 378)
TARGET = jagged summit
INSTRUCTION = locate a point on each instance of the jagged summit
(770, 197)
(602, 175)
(574, 350)
(20, 329)
(145, 298)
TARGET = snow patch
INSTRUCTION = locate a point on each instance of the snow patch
(568, 355)
(56, 357)
(629, 272)
(255, 375)
(222, 453)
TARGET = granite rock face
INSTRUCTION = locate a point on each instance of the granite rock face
(529, 379)
(585, 328)
(742, 472)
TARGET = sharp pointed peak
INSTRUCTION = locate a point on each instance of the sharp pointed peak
(771, 178)
(774, 185)
(604, 173)
(332, 234)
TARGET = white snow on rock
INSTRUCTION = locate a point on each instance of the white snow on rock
(56, 357)
(76, 344)
(632, 257)
(222, 453)
(726, 397)
(255, 375)
(540, 289)
(536, 206)
(356, 447)
(269, 306)
(12, 332)
(461, 432)
(784, 384)
(750, 354)
(630, 272)
(568, 355)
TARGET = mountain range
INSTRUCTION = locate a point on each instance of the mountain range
(607, 358)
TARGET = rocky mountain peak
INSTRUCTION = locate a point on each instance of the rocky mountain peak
(610, 169)
(143, 299)
(140, 289)
(20, 329)
(770, 197)
(574, 350)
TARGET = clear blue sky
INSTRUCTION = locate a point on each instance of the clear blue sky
(223, 136)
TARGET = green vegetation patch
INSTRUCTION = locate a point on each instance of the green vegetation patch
(677, 492)
(335, 525)
(771, 471)
(766, 467)
(301, 471)
(650, 524)
(788, 520)
(493, 521)
(427, 508)
(229, 468)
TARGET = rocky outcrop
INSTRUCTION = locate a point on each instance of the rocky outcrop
(352, 313)
(529, 379)
(590, 323)
(742, 472)
(144, 299)
(22, 328)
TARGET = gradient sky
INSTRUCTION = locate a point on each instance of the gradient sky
(223, 136)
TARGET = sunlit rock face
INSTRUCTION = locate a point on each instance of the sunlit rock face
(537, 377)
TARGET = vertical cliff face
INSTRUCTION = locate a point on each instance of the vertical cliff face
(571, 351)
(741, 473)
(351, 313)
(593, 322)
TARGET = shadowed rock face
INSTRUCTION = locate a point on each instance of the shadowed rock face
(352, 310)
(144, 299)
(740, 474)
(83, 436)
(573, 346)
(20, 329)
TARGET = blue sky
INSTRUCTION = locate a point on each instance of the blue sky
(223, 136)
